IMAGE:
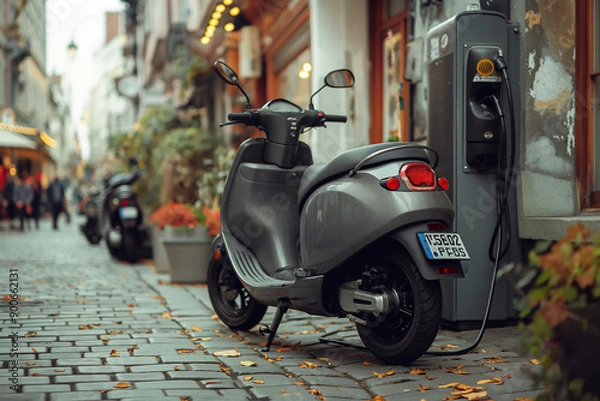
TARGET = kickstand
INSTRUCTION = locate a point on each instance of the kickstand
(282, 308)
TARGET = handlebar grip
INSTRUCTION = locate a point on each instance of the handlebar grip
(336, 118)
(241, 117)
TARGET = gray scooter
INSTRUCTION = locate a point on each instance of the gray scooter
(364, 236)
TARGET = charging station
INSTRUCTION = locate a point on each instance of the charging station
(474, 120)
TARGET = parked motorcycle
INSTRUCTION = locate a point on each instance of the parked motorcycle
(90, 208)
(364, 236)
(122, 218)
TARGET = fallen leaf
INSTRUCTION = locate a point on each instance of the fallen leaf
(59, 370)
(131, 305)
(186, 351)
(524, 399)
(308, 365)
(35, 374)
(29, 363)
(247, 378)
(381, 375)
(83, 301)
(535, 361)
(214, 316)
(228, 353)
(417, 372)
(157, 297)
(481, 395)
(378, 398)
(314, 391)
(449, 346)
(258, 381)
(166, 315)
(326, 360)
(34, 350)
(459, 372)
(225, 370)
(248, 363)
(493, 380)
(196, 328)
(104, 340)
(89, 326)
(30, 334)
(506, 376)
(367, 363)
(449, 385)
(114, 352)
(114, 332)
(176, 368)
(430, 378)
(423, 388)
(122, 385)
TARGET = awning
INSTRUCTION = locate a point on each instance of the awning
(10, 139)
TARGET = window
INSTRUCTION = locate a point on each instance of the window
(587, 77)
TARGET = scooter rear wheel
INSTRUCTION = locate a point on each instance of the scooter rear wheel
(231, 301)
(403, 335)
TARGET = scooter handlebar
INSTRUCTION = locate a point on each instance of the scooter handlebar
(245, 117)
(334, 118)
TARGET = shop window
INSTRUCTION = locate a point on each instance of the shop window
(587, 129)
(294, 80)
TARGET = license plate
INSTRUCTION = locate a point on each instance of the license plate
(128, 212)
(443, 246)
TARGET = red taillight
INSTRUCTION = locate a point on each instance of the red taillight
(392, 183)
(447, 270)
(418, 177)
(444, 184)
(124, 202)
(436, 226)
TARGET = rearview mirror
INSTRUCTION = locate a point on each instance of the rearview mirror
(340, 79)
(226, 72)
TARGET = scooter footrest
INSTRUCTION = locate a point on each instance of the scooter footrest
(250, 270)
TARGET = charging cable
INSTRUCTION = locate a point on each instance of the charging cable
(503, 182)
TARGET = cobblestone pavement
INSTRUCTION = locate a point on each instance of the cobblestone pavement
(92, 328)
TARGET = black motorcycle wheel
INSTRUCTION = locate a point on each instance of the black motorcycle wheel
(129, 245)
(231, 301)
(403, 335)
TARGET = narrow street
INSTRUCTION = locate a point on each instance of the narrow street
(87, 327)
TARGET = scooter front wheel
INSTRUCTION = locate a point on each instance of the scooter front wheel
(404, 334)
(231, 301)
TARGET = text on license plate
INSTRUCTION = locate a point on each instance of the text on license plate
(128, 212)
(443, 246)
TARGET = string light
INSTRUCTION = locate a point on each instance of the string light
(227, 2)
(220, 8)
(229, 27)
(205, 40)
(234, 11)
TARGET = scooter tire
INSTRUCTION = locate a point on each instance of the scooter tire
(129, 245)
(400, 344)
(241, 312)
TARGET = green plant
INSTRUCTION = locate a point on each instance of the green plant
(560, 291)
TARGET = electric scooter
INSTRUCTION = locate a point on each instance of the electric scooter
(363, 237)
(122, 218)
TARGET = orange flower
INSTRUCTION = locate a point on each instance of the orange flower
(174, 214)
(213, 220)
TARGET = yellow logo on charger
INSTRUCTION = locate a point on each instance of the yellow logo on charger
(485, 67)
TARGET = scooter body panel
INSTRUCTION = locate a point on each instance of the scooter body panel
(347, 214)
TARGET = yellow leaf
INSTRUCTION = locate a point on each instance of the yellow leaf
(314, 391)
(225, 370)
(82, 301)
(186, 351)
(378, 398)
(424, 388)
(114, 352)
(34, 350)
(248, 363)
(493, 380)
(122, 385)
(449, 385)
(308, 365)
(59, 370)
(417, 372)
(481, 395)
(524, 399)
(30, 334)
(228, 353)
(381, 375)
(258, 381)
(535, 361)
(430, 378)
(166, 315)
(247, 378)
(196, 328)
(459, 372)
(214, 316)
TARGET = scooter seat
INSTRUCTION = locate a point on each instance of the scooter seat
(317, 174)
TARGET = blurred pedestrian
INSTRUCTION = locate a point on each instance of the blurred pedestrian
(10, 203)
(56, 199)
(36, 203)
(22, 196)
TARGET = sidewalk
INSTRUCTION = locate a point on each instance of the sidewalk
(91, 328)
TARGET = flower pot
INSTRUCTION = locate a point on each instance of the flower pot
(185, 232)
(188, 258)
(159, 254)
